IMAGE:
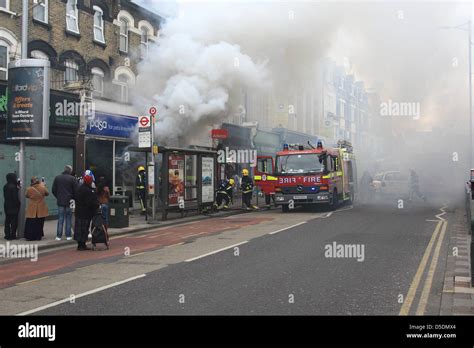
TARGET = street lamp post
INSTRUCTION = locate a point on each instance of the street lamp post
(22, 160)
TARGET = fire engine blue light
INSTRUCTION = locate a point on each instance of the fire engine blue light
(285, 146)
(313, 188)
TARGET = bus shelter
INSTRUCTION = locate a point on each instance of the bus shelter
(188, 179)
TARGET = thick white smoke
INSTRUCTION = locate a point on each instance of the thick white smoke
(210, 54)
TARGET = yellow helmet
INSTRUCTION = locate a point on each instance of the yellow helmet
(245, 172)
(231, 182)
(141, 168)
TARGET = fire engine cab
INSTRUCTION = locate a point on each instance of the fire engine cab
(314, 175)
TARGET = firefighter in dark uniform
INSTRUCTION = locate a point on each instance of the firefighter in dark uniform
(225, 193)
(140, 185)
(247, 190)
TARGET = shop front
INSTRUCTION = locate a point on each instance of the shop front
(239, 138)
(44, 158)
(292, 137)
(108, 138)
(267, 143)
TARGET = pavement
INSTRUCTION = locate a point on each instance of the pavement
(137, 223)
(264, 262)
(458, 295)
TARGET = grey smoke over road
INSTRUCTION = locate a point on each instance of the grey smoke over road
(212, 51)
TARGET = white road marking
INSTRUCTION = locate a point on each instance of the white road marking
(215, 251)
(54, 304)
(287, 228)
(338, 210)
(443, 212)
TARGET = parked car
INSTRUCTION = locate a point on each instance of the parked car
(391, 183)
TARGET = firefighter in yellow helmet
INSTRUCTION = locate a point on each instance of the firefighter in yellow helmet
(224, 193)
(247, 190)
(140, 185)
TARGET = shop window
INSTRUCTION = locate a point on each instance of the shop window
(72, 16)
(123, 35)
(98, 81)
(40, 10)
(144, 42)
(72, 71)
(98, 24)
(3, 61)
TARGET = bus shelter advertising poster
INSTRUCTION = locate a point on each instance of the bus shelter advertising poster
(28, 99)
(175, 179)
(207, 179)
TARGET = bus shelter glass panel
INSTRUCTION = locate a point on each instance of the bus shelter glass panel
(191, 178)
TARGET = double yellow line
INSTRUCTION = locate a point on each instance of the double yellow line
(440, 231)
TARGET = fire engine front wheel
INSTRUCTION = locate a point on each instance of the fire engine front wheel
(285, 208)
(333, 200)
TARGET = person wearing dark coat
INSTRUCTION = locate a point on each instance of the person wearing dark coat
(247, 190)
(87, 204)
(11, 206)
(64, 186)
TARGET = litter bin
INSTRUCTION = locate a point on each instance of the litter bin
(118, 212)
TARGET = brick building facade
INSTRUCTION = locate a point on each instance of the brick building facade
(96, 38)
(94, 46)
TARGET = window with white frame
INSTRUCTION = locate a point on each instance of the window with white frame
(72, 71)
(124, 25)
(72, 16)
(3, 61)
(98, 81)
(98, 24)
(144, 42)
(5, 4)
(124, 81)
(37, 54)
(40, 10)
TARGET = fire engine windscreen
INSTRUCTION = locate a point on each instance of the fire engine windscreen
(299, 164)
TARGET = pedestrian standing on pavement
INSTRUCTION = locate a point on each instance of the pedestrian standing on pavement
(247, 190)
(87, 204)
(11, 205)
(64, 187)
(103, 194)
(37, 209)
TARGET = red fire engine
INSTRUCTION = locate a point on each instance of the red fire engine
(314, 175)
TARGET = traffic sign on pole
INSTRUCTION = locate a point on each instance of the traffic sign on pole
(144, 132)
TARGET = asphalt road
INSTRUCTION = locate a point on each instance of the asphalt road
(289, 272)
